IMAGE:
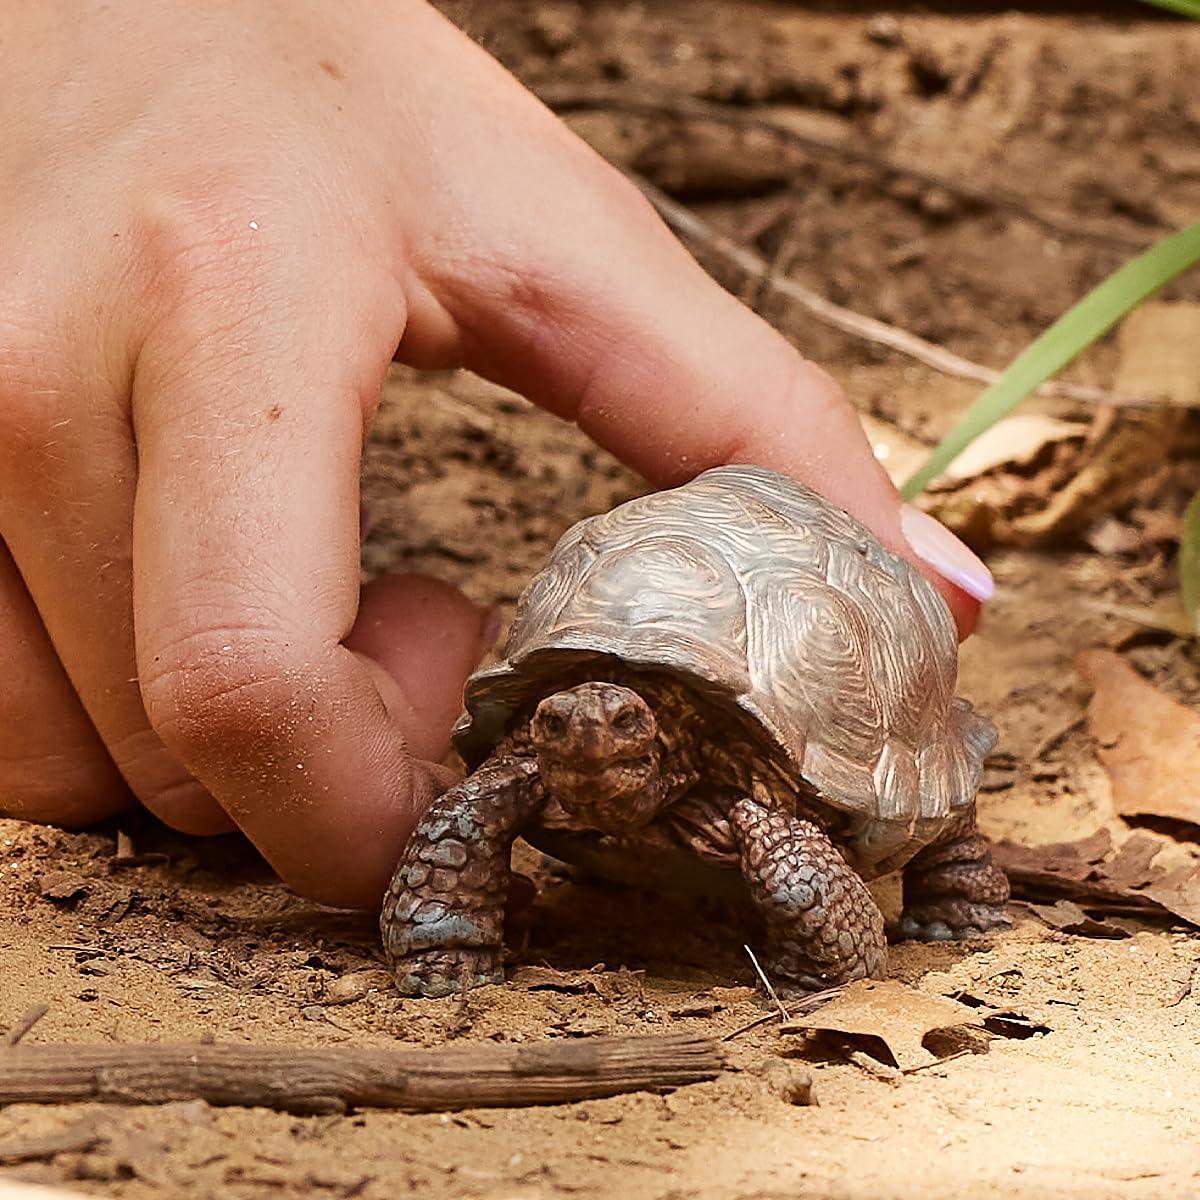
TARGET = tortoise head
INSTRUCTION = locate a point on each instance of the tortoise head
(597, 752)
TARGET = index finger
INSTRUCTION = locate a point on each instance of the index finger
(249, 428)
(568, 288)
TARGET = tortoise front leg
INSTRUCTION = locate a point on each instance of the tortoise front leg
(952, 888)
(443, 915)
(823, 925)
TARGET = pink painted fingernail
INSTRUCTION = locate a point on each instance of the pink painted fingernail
(933, 543)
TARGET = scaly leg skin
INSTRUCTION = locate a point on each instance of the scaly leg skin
(823, 925)
(952, 889)
(443, 915)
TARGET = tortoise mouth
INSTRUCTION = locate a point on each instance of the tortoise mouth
(616, 795)
(610, 776)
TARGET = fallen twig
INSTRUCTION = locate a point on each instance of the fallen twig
(799, 1008)
(783, 1012)
(937, 1062)
(684, 221)
(568, 97)
(25, 1024)
(328, 1080)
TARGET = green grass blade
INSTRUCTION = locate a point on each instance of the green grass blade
(1189, 562)
(1072, 333)
(1189, 8)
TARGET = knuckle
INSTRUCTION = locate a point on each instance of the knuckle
(221, 695)
(202, 250)
(195, 227)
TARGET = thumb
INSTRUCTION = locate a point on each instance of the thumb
(428, 637)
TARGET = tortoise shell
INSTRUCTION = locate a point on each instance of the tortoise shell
(780, 607)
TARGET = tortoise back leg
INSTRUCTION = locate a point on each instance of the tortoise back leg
(823, 925)
(952, 889)
(443, 915)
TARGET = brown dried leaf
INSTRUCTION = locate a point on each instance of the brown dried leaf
(1179, 893)
(1075, 871)
(1067, 917)
(1166, 614)
(888, 1019)
(62, 886)
(1014, 442)
(1133, 864)
(1055, 861)
(546, 979)
(1148, 743)
(1069, 481)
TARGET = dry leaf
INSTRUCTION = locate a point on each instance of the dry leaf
(1160, 352)
(1128, 882)
(1148, 743)
(546, 979)
(61, 886)
(1062, 485)
(1179, 893)
(1071, 483)
(1166, 613)
(1067, 917)
(608, 985)
(889, 1020)
(1014, 442)
(1133, 864)
(1055, 861)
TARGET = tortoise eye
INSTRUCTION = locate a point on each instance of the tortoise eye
(625, 722)
(552, 723)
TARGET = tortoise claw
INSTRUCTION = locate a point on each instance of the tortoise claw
(966, 921)
(450, 972)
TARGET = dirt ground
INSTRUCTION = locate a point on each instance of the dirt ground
(1084, 130)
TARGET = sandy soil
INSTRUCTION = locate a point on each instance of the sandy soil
(1094, 122)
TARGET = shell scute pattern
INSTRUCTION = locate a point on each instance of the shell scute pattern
(779, 604)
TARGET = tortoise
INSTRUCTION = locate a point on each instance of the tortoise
(726, 683)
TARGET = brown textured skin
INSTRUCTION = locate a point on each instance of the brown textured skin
(596, 746)
(823, 925)
(952, 889)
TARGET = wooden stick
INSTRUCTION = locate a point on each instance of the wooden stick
(568, 97)
(688, 224)
(329, 1080)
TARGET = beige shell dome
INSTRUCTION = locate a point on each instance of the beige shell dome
(770, 599)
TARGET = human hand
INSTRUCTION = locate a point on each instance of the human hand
(220, 221)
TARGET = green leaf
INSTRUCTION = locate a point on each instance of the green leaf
(1072, 333)
(1189, 562)
(1189, 8)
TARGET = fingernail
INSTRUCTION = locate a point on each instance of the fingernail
(489, 632)
(933, 543)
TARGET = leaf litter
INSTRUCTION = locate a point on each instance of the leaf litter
(901, 1027)
(1148, 743)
